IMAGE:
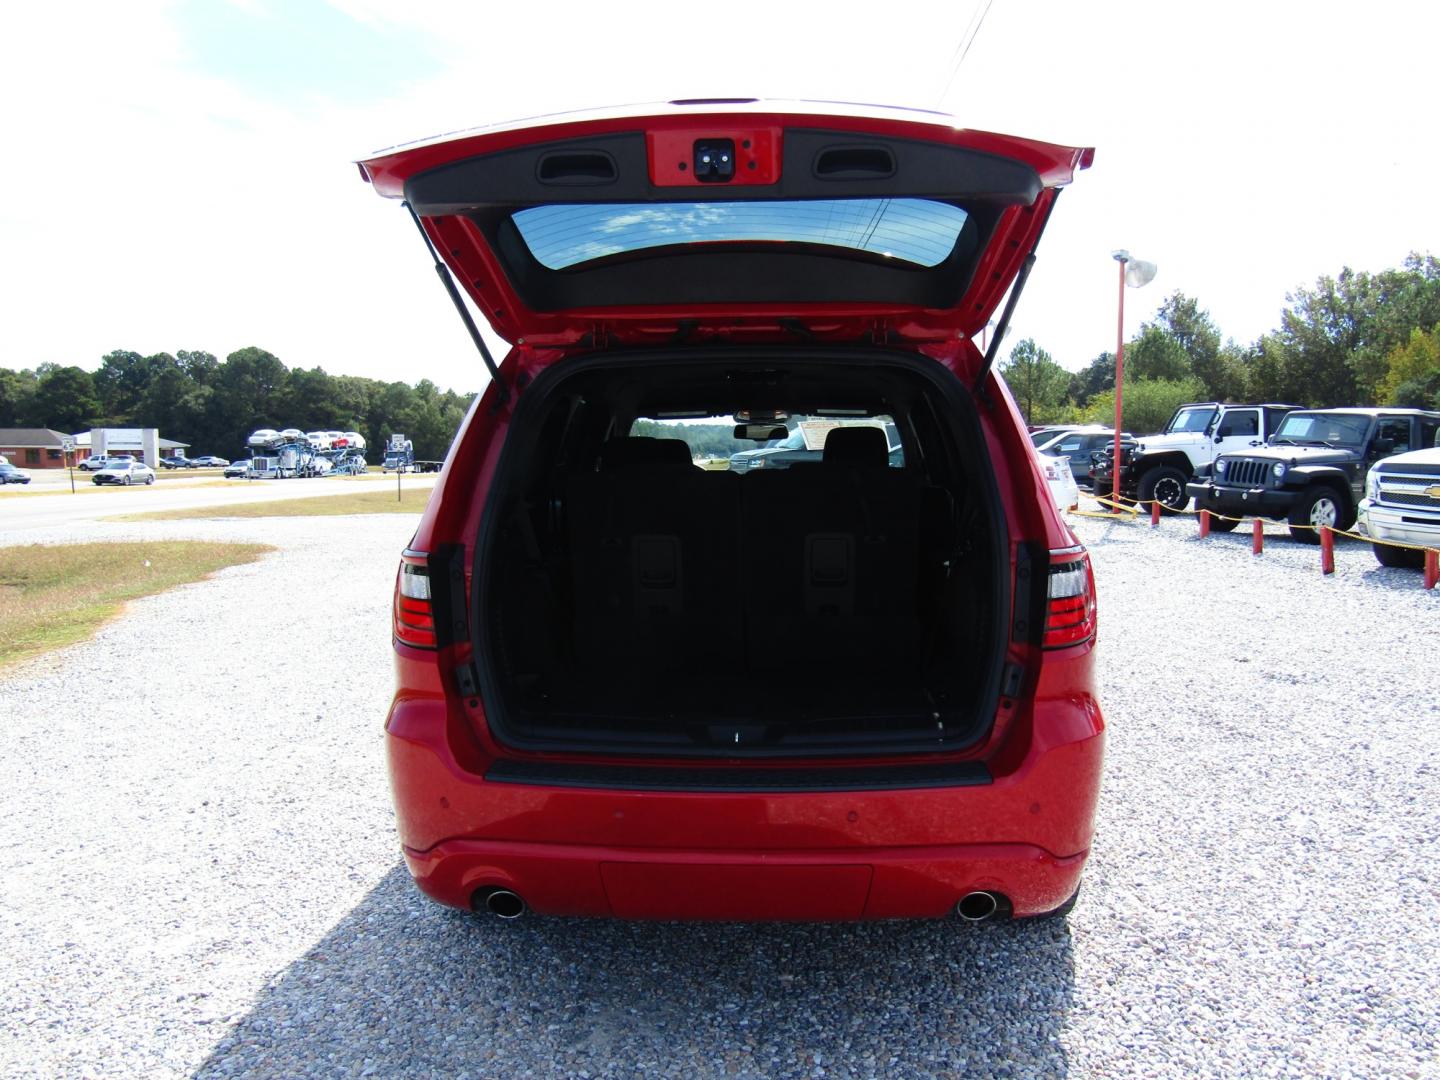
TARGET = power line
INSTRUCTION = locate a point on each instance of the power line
(962, 47)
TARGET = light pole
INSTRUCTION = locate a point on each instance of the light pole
(1134, 273)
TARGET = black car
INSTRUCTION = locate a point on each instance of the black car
(1312, 472)
(9, 474)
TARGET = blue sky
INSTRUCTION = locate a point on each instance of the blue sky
(300, 50)
(182, 172)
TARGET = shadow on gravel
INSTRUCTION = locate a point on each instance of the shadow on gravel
(403, 987)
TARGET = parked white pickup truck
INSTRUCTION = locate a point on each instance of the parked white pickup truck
(1402, 504)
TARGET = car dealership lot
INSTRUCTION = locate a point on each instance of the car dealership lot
(200, 871)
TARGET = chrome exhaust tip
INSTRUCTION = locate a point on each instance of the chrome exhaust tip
(977, 906)
(503, 904)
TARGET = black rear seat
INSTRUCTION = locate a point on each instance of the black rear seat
(653, 544)
(697, 578)
(830, 560)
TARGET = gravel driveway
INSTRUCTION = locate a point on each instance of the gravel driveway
(200, 873)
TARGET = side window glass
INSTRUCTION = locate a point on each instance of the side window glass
(1429, 434)
(1246, 422)
(1068, 446)
(1397, 431)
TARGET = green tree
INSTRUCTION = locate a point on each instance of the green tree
(352, 401)
(311, 401)
(175, 403)
(247, 395)
(1036, 380)
(201, 367)
(1411, 365)
(17, 397)
(1334, 340)
(64, 399)
(1147, 404)
(1406, 299)
(1219, 367)
(120, 382)
(1156, 354)
(1094, 378)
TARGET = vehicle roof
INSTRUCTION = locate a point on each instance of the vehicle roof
(1242, 405)
(1377, 410)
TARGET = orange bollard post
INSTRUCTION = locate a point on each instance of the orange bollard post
(1204, 523)
(1257, 537)
(1432, 567)
(1327, 550)
(1155, 513)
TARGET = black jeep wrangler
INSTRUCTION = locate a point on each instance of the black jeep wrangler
(1312, 471)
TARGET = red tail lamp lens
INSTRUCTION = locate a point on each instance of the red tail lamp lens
(1070, 608)
(414, 618)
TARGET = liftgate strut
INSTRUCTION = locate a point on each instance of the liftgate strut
(455, 298)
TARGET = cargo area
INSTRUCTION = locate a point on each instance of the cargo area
(640, 602)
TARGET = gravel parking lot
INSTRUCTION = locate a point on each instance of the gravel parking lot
(200, 873)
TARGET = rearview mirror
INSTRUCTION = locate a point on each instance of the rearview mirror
(761, 432)
(1383, 446)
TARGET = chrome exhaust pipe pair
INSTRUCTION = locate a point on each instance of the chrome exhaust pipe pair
(502, 903)
(977, 906)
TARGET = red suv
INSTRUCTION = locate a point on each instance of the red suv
(628, 685)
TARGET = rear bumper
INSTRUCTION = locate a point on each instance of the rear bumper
(876, 883)
(687, 854)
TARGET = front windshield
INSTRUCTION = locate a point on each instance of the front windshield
(1322, 429)
(1192, 419)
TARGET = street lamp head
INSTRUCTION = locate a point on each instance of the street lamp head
(1138, 273)
(1120, 256)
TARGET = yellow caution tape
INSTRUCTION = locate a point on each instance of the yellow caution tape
(1132, 507)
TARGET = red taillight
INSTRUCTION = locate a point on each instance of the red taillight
(1070, 601)
(414, 617)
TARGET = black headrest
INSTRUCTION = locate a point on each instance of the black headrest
(857, 448)
(644, 450)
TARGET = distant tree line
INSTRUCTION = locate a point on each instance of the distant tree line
(704, 440)
(1353, 339)
(213, 404)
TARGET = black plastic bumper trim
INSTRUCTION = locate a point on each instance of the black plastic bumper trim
(739, 781)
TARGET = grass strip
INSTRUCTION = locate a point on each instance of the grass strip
(411, 501)
(52, 595)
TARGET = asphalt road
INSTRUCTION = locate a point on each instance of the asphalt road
(50, 505)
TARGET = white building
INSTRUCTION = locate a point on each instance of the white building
(144, 444)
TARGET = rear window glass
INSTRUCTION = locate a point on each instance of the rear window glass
(713, 445)
(917, 231)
